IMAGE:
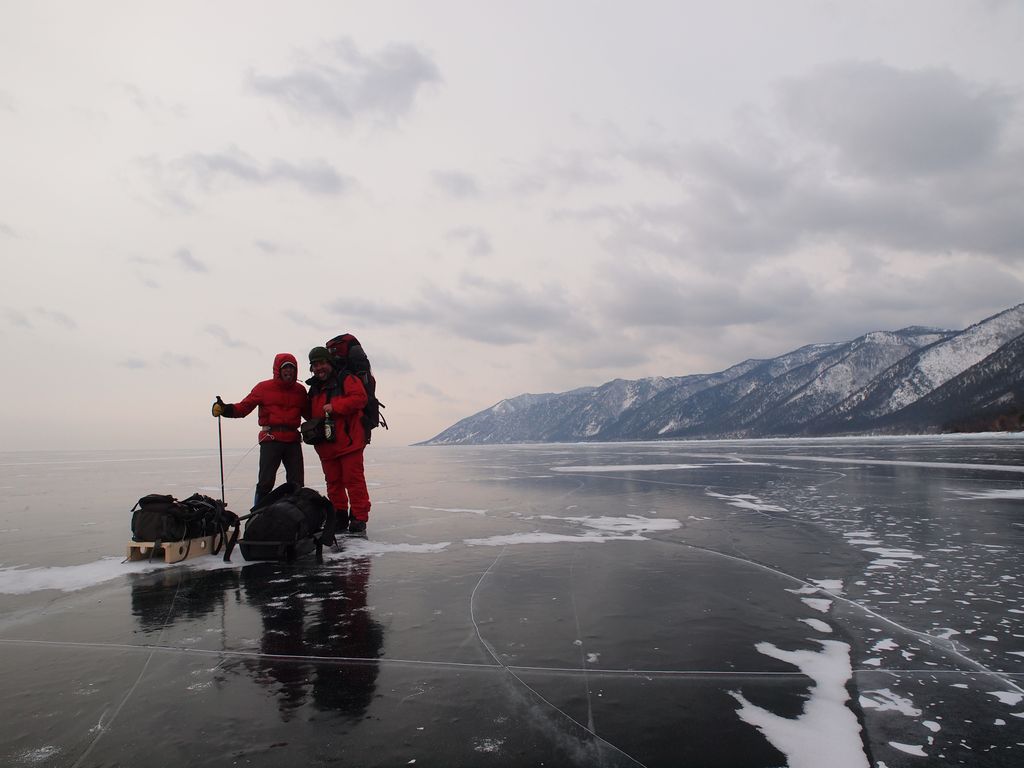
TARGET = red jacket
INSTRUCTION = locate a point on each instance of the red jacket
(280, 404)
(347, 398)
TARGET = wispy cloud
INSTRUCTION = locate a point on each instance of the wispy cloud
(177, 182)
(56, 316)
(342, 83)
(172, 360)
(227, 339)
(499, 312)
(478, 243)
(456, 184)
(888, 122)
(6, 230)
(919, 161)
(560, 171)
(189, 262)
(434, 393)
(150, 103)
(168, 360)
(313, 176)
(16, 318)
(301, 318)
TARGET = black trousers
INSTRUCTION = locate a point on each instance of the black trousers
(272, 454)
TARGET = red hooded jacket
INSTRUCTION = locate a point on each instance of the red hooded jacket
(280, 404)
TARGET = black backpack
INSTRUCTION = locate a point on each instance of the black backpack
(161, 518)
(350, 356)
(283, 526)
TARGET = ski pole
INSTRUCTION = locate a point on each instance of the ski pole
(220, 446)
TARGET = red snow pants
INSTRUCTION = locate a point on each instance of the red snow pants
(346, 484)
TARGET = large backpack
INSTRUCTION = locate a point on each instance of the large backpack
(351, 356)
(284, 524)
(162, 518)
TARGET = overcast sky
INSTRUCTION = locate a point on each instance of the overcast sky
(496, 198)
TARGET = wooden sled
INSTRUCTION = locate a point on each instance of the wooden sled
(172, 551)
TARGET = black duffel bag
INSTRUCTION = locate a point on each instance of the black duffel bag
(161, 518)
(158, 517)
(285, 524)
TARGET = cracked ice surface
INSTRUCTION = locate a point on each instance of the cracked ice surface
(571, 605)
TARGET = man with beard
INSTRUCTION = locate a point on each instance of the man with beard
(281, 401)
(338, 396)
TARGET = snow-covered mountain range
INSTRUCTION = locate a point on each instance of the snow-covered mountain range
(913, 380)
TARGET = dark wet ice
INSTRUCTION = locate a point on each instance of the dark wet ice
(844, 602)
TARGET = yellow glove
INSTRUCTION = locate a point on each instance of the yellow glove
(219, 409)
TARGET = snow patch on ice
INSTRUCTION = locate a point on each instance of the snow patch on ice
(746, 501)
(39, 755)
(17, 580)
(356, 547)
(538, 537)
(1007, 697)
(830, 585)
(817, 603)
(456, 509)
(488, 745)
(826, 726)
(626, 468)
(884, 700)
(910, 749)
(895, 554)
(630, 524)
(71, 578)
(1010, 493)
(817, 624)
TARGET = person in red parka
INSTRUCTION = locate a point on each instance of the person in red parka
(337, 394)
(281, 401)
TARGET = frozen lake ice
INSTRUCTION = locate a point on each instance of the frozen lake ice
(750, 603)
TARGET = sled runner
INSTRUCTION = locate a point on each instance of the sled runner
(174, 551)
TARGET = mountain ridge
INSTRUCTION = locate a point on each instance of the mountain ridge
(866, 385)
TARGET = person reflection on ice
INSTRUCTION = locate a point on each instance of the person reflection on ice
(319, 641)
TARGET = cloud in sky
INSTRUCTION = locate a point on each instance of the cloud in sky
(342, 83)
(57, 317)
(226, 339)
(498, 312)
(567, 195)
(189, 262)
(304, 319)
(17, 318)
(889, 122)
(476, 241)
(456, 184)
(907, 160)
(315, 177)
